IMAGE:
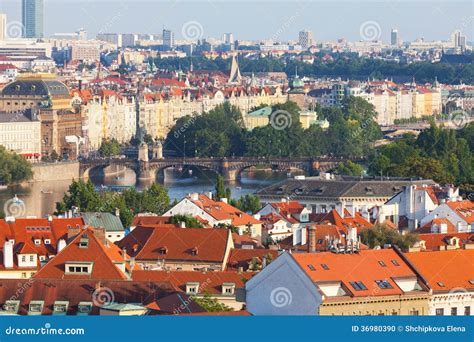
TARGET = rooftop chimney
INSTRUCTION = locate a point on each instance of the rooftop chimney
(194, 196)
(224, 200)
(8, 254)
(182, 224)
(311, 239)
(61, 245)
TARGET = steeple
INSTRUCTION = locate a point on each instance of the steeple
(235, 76)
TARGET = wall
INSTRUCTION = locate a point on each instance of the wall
(43, 172)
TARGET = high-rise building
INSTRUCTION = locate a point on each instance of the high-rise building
(394, 37)
(3, 26)
(228, 38)
(168, 38)
(459, 41)
(306, 39)
(32, 18)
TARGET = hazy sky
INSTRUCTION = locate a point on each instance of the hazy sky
(329, 20)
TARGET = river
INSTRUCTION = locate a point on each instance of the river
(40, 198)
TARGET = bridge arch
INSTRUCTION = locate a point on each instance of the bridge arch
(88, 170)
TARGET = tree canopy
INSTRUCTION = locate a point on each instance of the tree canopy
(13, 168)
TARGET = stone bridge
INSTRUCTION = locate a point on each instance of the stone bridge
(230, 168)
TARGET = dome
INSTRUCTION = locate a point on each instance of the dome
(36, 87)
(297, 83)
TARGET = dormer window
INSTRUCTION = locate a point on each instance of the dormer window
(163, 250)
(384, 284)
(195, 251)
(84, 308)
(35, 307)
(60, 307)
(84, 241)
(228, 289)
(192, 288)
(37, 242)
(78, 268)
(11, 306)
(47, 241)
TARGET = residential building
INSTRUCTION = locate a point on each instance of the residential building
(305, 39)
(168, 39)
(114, 230)
(443, 241)
(90, 255)
(460, 213)
(217, 213)
(85, 52)
(249, 259)
(352, 193)
(32, 18)
(29, 243)
(450, 277)
(227, 287)
(370, 282)
(20, 132)
(394, 40)
(166, 247)
(413, 203)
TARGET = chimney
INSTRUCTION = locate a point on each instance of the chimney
(182, 224)
(50, 218)
(311, 239)
(224, 200)
(283, 200)
(61, 245)
(8, 254)
(117, 212)
(194, 196)
(124, 253)
(352, 234)
(209, 194)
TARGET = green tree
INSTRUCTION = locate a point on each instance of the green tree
(188, 220)
(13, 168)
(109, 148)
(247, 203)
(349, 168)
(211, 304)
(380, 235)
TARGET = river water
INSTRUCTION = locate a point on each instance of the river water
(40, 198)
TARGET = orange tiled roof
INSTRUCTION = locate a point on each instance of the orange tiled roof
(210, 282)
(364, 267)
(224, 211)
(465, 209)
(435, 241)
(453, 269)
(242, 257)
(103, 257)
(166, 242)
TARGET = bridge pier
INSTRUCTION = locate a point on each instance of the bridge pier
(144, 171)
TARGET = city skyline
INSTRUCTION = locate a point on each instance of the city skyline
(327, 21)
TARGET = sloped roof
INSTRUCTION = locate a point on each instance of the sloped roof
(103, 256)
(453, 269)
(242, 257)
(362, 267)
(167, 242)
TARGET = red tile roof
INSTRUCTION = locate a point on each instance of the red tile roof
(465, 209)
(364, 267)
(241, 258)
(209, 282)
(437, 241)
(103, 256)
(171, 243)
(453, 269)
(224, 211)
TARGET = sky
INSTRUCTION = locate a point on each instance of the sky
(260, 19)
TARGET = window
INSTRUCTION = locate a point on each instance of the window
(311, 267)
(439, 312)
(471, 282)
(358, 285)
(414, 313)
(32, 258)
(381, 263)
(454, 311)
(395, 263)
(384, 284)
(440, 284)
(47, 241)
(467, 311)
(23, 258)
